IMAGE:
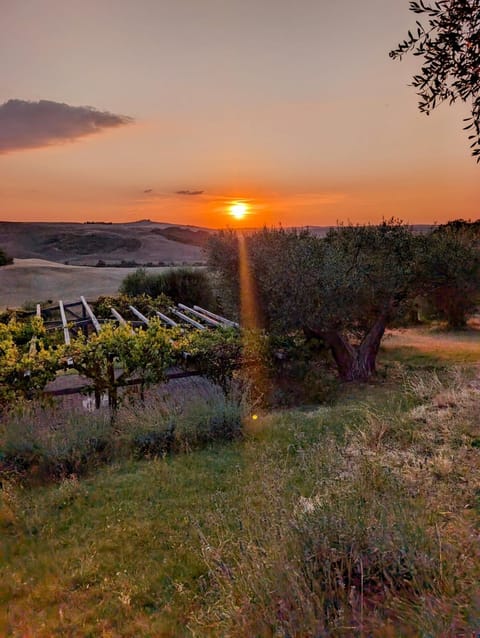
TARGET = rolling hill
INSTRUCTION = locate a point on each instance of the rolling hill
(143, 242)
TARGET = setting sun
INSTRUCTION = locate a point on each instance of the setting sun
(238, 210)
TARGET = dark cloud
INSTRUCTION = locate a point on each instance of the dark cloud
(148, 190)
(45, 123)
(187, 192)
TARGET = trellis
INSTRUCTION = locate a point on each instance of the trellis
(79, 316)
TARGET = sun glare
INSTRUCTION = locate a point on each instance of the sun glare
(238, 210)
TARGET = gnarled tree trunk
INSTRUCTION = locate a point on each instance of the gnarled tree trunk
(354, 363)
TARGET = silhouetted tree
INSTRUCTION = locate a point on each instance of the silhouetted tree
(450, 47)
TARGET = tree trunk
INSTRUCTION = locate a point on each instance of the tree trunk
(354, 363)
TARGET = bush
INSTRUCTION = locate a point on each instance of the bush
(159, 427)
(5, 259)
(183, 285)
(48, 442)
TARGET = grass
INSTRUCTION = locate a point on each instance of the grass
(356, 519)
(436, 347)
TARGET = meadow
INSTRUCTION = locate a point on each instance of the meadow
(355, 518)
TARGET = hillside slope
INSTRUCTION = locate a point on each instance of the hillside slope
(86, 244)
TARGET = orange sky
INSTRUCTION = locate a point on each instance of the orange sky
(291, 106)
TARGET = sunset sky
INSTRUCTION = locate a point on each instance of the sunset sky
(290, 106)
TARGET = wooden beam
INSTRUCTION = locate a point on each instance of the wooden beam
(120, 319)
(227, 322)
(209, 320)
(90, 314)
(138, 314)
(187, 319)
(166, 319)
(39, 311)
(32, 347)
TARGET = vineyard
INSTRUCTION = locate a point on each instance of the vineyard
(112, 344)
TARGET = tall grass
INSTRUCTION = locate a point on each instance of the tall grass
(48, 442)
(362, 534)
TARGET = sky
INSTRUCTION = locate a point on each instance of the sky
(171, 110)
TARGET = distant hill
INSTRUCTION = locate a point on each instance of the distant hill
(133, 243)
(184, 235)
(141, 242)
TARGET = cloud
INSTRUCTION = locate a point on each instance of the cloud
(26, 125)
(148, 190)
(187, 192)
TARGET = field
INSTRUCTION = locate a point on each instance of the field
(359, 518)
(37, 280)
(85, 244)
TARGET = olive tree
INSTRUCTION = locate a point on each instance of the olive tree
(450, 266)
(343, 289)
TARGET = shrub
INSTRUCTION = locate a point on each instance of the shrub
(5, 259)
(160, 426)
(216, 354)
(49, 442)
(183, 285)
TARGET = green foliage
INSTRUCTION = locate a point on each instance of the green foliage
(27, 360)
(49, 443)
(117, 352)
(182, 285)
(5, 259)
(357, 518)
(152, 351)
(450, 48)
(142, 302)
(343, 289)
(216, 354)
(369, 271)
(450, 265)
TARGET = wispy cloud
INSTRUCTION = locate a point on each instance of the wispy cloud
(148, 190)
(188, 192)
(25, 125)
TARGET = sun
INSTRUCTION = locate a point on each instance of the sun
(238, 210)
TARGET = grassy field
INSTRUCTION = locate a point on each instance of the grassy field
(34, 280)
(359, 519)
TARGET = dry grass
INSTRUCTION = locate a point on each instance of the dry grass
(381, 539)
(39, 280)
(433, 345)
